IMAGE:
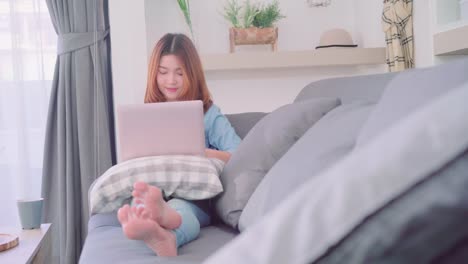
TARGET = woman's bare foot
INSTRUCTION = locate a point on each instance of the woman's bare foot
(158, 210)
(137, 225)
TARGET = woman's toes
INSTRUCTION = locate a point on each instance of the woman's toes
(122, 214)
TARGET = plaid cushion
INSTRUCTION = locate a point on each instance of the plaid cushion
(187, 177)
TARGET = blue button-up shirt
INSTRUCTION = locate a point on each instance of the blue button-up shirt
(219, 133)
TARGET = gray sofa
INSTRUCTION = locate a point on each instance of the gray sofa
(315, 204)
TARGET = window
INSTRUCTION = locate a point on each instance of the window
(27, 61)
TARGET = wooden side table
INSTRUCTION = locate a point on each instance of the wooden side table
(34, 245)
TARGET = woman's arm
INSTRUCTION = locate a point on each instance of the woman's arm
(222, 155)
(221, 136)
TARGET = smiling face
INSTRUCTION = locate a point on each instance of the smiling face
(170, 77)
(175, 72)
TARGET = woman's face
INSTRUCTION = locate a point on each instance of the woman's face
(170, 77)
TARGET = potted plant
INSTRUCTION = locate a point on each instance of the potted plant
(252, 24)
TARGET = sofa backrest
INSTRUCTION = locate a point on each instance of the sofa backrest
(409, 91)
(243, 122)
(364, 88)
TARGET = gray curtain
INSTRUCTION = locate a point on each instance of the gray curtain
(79, 144)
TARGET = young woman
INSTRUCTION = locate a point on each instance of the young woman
(175, 74)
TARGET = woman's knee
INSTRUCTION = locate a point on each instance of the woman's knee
(178, 204)
(186, 207)
(189, 228)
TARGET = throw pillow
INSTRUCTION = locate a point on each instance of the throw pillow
(327, 208)
(188, 177)
(410, 90)
(266, 142)
(431, 214)
(243, 122)
(329, 140)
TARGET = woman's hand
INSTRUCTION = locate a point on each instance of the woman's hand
(222, 155)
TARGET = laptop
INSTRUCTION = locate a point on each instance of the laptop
(169, 128)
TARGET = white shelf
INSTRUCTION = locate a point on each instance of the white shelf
(452, 42)
(288, 59)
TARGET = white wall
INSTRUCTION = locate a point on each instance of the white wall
(423, 25)
(258, 90)
(137, 25)
(129, 52)
(300, 30)
(368, 23)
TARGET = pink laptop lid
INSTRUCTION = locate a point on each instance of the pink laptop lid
(171, 128)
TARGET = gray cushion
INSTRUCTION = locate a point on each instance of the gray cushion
(411, 89)
(331, 205)
(243, 122)
(106, 243)
(430, 215)
(261, 148)
(331, 138)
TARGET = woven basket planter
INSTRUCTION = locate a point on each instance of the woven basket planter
(253, 36)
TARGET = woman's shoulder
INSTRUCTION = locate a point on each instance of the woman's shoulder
(213, 115)
(213, 111)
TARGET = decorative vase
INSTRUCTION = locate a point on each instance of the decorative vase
(253, 36)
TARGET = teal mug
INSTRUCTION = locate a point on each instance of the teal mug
(30, 213)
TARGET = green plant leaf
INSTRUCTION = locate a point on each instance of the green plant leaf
(184, 6)
(267, 15)
(250, 11)
(251, 14)
(231, 12)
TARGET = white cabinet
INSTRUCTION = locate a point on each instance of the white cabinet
(447, 11)
(450, 34)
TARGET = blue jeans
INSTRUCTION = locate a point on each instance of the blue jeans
(193, 218)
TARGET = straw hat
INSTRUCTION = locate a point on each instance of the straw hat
(336, 38)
